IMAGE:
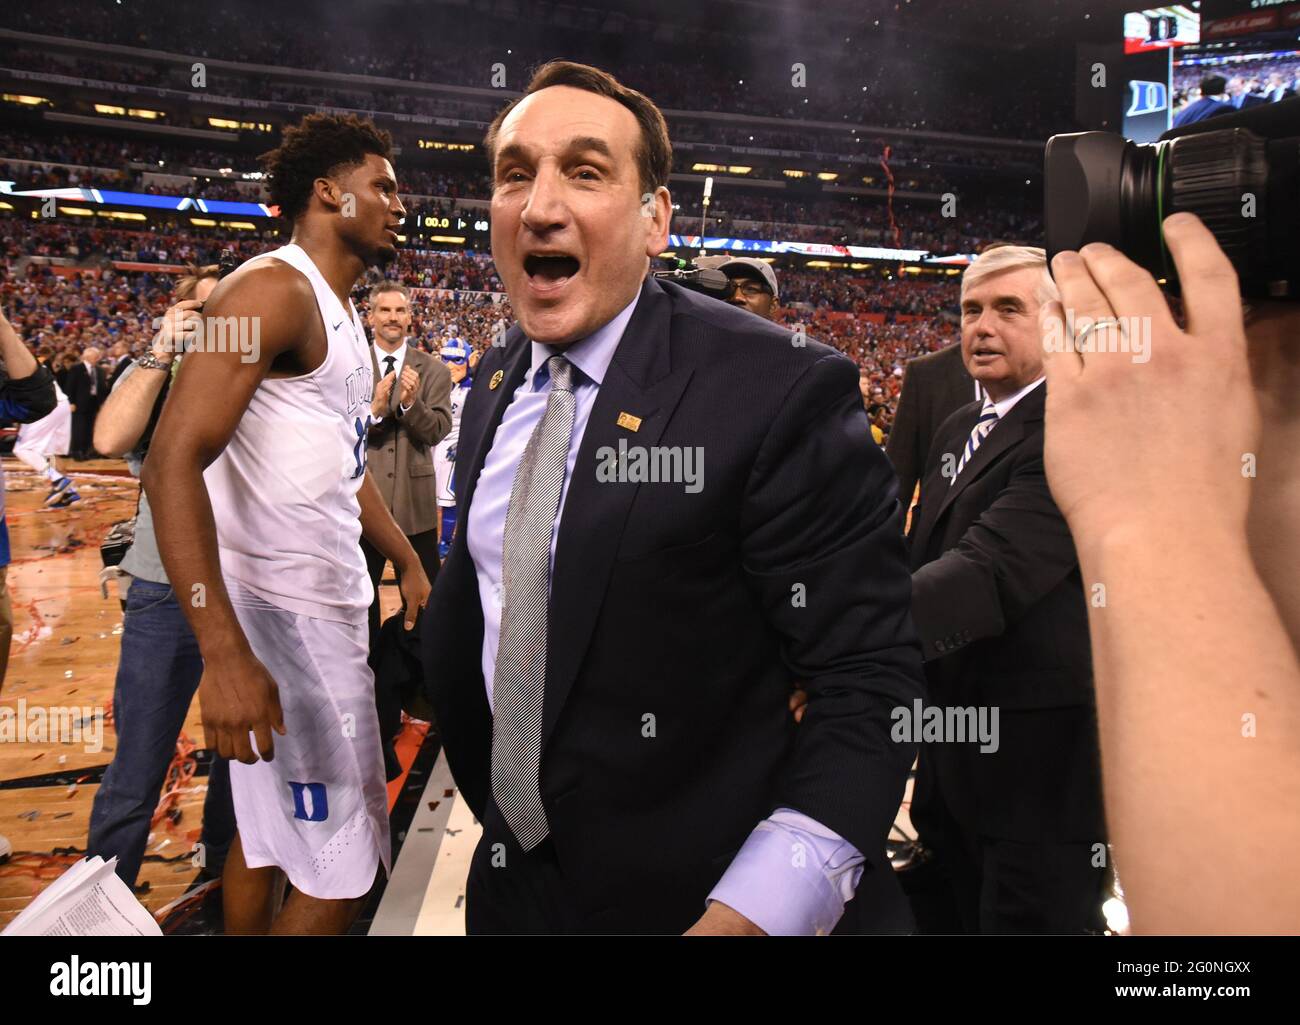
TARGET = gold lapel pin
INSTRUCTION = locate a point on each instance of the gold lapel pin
(496, 379)
(632, 423)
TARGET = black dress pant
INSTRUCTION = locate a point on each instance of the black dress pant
(426, 547)
(982, 884)
(388, 703)
(83, 435)
(517, 893)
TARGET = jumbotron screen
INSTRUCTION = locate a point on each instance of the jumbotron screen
(1252, 74)
(1161, 28)
(1151, 37)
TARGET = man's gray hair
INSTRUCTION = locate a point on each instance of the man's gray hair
(999, 259)
(389, 286)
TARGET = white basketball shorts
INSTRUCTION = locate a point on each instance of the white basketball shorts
(319, 809)
(49, 436)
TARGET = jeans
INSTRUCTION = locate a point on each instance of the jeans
(157, 676)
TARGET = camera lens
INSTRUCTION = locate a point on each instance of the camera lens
(1100, 187)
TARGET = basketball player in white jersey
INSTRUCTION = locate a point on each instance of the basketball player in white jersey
(260, 494)
(40, 443)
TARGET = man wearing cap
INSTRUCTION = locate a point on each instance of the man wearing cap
(410, 414)
(455, 354)
(754, 282)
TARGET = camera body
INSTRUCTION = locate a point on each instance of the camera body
(707, 280)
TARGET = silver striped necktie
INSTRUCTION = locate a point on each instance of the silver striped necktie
(520, 680)
(988, 418)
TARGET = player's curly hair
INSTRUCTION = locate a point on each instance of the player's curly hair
(317, 147)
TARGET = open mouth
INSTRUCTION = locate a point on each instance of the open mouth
(549, 272)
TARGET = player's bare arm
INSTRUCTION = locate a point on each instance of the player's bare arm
(208, 398)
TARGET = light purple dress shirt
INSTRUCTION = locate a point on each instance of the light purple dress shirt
(793, 875)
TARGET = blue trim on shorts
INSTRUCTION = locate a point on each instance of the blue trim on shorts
(4, 541)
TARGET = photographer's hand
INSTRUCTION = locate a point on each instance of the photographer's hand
(178, 321)
(1148, 461)
(1130, 443)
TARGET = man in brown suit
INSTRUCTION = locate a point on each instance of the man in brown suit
(411, 413)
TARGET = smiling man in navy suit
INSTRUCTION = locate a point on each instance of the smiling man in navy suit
(672, 511)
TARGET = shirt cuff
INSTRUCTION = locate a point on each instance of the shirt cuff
(403, 410)
(792, 877)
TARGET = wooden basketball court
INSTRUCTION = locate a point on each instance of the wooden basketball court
(63, 664)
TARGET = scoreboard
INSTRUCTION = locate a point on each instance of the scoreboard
(429, 225)
(1161, 28)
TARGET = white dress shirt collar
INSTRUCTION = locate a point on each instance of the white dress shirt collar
(1005, 406)
(593, 354)
(399, 354)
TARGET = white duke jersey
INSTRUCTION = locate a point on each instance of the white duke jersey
(284, 490)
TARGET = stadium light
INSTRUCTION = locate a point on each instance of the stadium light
(227, 123)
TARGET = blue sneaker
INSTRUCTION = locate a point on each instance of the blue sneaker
(69, 497)
(60, 486)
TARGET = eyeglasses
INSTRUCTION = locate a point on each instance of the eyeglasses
(751, 288)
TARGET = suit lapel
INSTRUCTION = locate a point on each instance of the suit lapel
(1009, 431)
(934, 486)
(639, 381)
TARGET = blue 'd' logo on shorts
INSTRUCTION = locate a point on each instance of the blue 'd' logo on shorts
(309, 802)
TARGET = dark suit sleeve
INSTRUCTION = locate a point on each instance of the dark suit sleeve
(1016, 552)
(904, 445)
(823, 550)
(30, 398)
(429, 417)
